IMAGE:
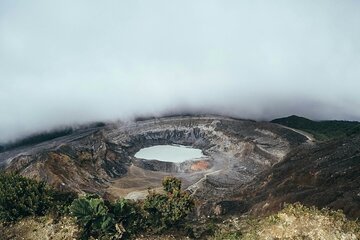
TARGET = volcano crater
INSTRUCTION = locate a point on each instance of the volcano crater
(102, 160)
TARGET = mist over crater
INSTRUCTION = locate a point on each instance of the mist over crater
(70, 63)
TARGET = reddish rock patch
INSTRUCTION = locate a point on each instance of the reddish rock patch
(200, 165)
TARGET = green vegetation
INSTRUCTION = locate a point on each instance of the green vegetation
(93, 216)
(21, 197)
(164, 211)
(124, 218)
(129, 216)
(321, 130)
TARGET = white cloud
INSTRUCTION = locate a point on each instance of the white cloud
(65, 62)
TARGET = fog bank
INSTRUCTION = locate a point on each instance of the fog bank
(70, 62)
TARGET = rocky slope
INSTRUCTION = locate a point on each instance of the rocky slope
(322, 175)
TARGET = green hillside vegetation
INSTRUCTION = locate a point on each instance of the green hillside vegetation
(21, 197)
(30, 209)
(321, 130)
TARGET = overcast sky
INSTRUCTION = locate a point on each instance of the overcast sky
(65, 62)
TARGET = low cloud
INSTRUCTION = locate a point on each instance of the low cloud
(67, 62)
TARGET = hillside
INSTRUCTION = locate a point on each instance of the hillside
(323, 175)
(322, 130)
(40, 137)
(292, 222)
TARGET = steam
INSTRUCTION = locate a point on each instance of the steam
(73, 62)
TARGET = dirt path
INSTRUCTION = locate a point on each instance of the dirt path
(309, 136)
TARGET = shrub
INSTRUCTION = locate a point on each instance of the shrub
(170, 209)
(171, 184)
(93, 216)
(61, 202)
(154, 206)
(129, 215)
(21, 197)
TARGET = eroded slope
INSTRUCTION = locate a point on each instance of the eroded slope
(322, 175)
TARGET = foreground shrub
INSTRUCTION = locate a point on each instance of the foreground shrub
(93, 216)
(168, 210)
(21, 197)
(129, 216)
(61, 202)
